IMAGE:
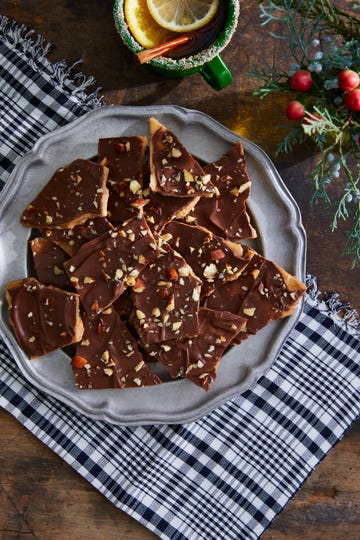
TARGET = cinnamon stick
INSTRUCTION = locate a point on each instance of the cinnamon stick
(162, 49)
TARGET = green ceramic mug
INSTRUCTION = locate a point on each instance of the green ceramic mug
(206, 61)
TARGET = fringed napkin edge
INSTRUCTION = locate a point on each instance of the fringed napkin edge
(35, 48)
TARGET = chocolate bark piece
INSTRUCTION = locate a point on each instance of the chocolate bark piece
(166, 298)
(197, 358)
(72, 238)
(226, 214)
(102, 268)
(124, 157)
(73, 194)
(262, 293)
(161, 209)
(44, 318)
(49, 261)
(213, 259)
(108, 356)
(232, 164)
(174, 171)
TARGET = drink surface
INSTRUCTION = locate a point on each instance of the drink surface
(203, 37)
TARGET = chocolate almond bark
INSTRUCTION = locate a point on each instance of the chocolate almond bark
(70, 239)
(44, 318)
(197, 358)
(49, 261)
(108, 356)
(166, 299)
(174, 171)
(213, 259)
(226, 215)
(73, 194)
(151, 287)
(104, 267)
(124, 157)
(161, 209)
(262, 293)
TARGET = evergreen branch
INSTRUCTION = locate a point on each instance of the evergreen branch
(295, 137)
(323, 40)
(332, 18)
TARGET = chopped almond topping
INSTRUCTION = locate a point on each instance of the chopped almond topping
(175, 152)
(172, 274)
(249, 311)
(217, 254)
(79, 361)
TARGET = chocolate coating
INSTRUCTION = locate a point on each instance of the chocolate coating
(262, 293)
(166, 299)
(174, 171)
(102, 268)
(197, 358)
(49, 263)
(124, 157)
(73, 194)
(161, 209)
(71, 239)
(213, 259)
(109, 356)
(226, 214)
(44, 318)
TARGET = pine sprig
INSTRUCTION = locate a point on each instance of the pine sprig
(323, 40)
(295, 137)
(323, 12)
(276, 82)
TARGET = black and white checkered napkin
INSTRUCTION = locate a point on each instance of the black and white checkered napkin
(224, 476)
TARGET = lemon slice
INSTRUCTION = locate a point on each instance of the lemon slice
(182, 15)
(143, 27)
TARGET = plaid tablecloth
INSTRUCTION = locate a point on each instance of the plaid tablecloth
(227, 475)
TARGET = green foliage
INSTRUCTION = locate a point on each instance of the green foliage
(324, 40)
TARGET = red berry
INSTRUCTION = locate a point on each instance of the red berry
(294, 110)
(352, 100)
(301, 81)
(348, 80)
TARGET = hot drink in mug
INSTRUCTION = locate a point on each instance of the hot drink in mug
(201, 53)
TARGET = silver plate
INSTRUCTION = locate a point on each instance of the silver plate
(281, 238)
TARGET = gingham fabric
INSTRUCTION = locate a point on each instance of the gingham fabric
(227, 475)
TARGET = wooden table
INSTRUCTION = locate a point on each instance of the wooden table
(40, 496)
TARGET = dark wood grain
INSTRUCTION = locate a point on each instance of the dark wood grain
(40, 495)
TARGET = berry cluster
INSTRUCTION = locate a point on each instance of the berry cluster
(324, 80)
(348, 82)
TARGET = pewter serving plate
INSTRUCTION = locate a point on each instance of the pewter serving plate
(280, 237)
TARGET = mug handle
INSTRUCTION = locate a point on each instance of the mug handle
(216, 73)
